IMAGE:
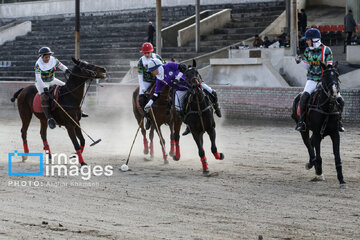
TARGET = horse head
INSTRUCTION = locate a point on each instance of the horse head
(85, 70)
(330, 80)
(193, 77)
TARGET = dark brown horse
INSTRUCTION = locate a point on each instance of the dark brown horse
(199, 115)
(70, 97)
(163, 115)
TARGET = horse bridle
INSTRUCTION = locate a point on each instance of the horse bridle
(326, 89)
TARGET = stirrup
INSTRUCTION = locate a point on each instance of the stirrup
(84, 114)
(187, 131)
(51, 123)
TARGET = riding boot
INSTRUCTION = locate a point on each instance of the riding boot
(216, 104)
(182, 117)
(301, 126)
(341, 104)
(214, 99)
(142, 102)
(45, 104)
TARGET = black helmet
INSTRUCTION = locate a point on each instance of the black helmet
(44, 51)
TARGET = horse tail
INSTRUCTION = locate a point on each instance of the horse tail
(16, 95)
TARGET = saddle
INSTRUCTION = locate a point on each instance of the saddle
(54, 94)
(148, 96)
(311, 101)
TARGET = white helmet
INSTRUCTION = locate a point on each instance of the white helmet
(154, 64)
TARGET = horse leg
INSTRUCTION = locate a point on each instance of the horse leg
(316, 140)
(81, 138)
(177, 126)
(25, 115)
(162, 144)
(212, 134)
(172, 139)
(198, 139)
(145, 141)
(72, 134)
(43, 129)
(151, 137)
(335, 138)
(310, 148)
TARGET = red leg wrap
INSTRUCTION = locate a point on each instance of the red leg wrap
(146, 144)
(204, 163)
(26, 147)
(217, 155)
(82, 149)
(78, 152)
(46, 147)
(177, 145)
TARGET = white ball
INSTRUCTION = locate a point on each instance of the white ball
(124, 167)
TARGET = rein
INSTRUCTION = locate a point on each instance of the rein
(71, 91)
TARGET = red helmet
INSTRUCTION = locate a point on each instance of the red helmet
(147, 47)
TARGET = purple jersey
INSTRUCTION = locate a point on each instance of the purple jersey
(170, 72)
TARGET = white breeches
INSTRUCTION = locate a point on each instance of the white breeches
(40, 85)
(206, 87)
(144, 86)
(310, 87)
(179, 99)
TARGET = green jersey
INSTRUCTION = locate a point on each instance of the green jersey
(314, 57)
(143, 67)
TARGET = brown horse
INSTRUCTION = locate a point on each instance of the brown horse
(163, 115)
(70, 97)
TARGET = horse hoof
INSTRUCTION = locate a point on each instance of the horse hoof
(166, 162)
(308, 166)
(222, 156)
(83, 164)
(343, 185)
(175, 158)
(24, 158)
(318, 178)
(206, 172)
(171, 154)
(146, 152)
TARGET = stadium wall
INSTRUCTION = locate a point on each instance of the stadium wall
(236, 102)
(55, 7)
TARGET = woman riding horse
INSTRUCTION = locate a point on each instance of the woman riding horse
(45, 77)
(172, 74)
(70, 97)
(145, 78)
(315, 54)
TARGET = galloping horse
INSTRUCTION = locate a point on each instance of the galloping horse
(164, 114)
(69, 97)
(322, 119)
(199, 115)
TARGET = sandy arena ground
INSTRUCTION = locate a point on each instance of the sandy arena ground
(262, 191)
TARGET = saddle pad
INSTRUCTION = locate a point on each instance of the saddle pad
(37, 101)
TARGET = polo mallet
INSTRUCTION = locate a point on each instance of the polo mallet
(94, 142)
(125, 166)
(158, 131)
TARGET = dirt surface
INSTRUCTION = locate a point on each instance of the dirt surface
(262, 192)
